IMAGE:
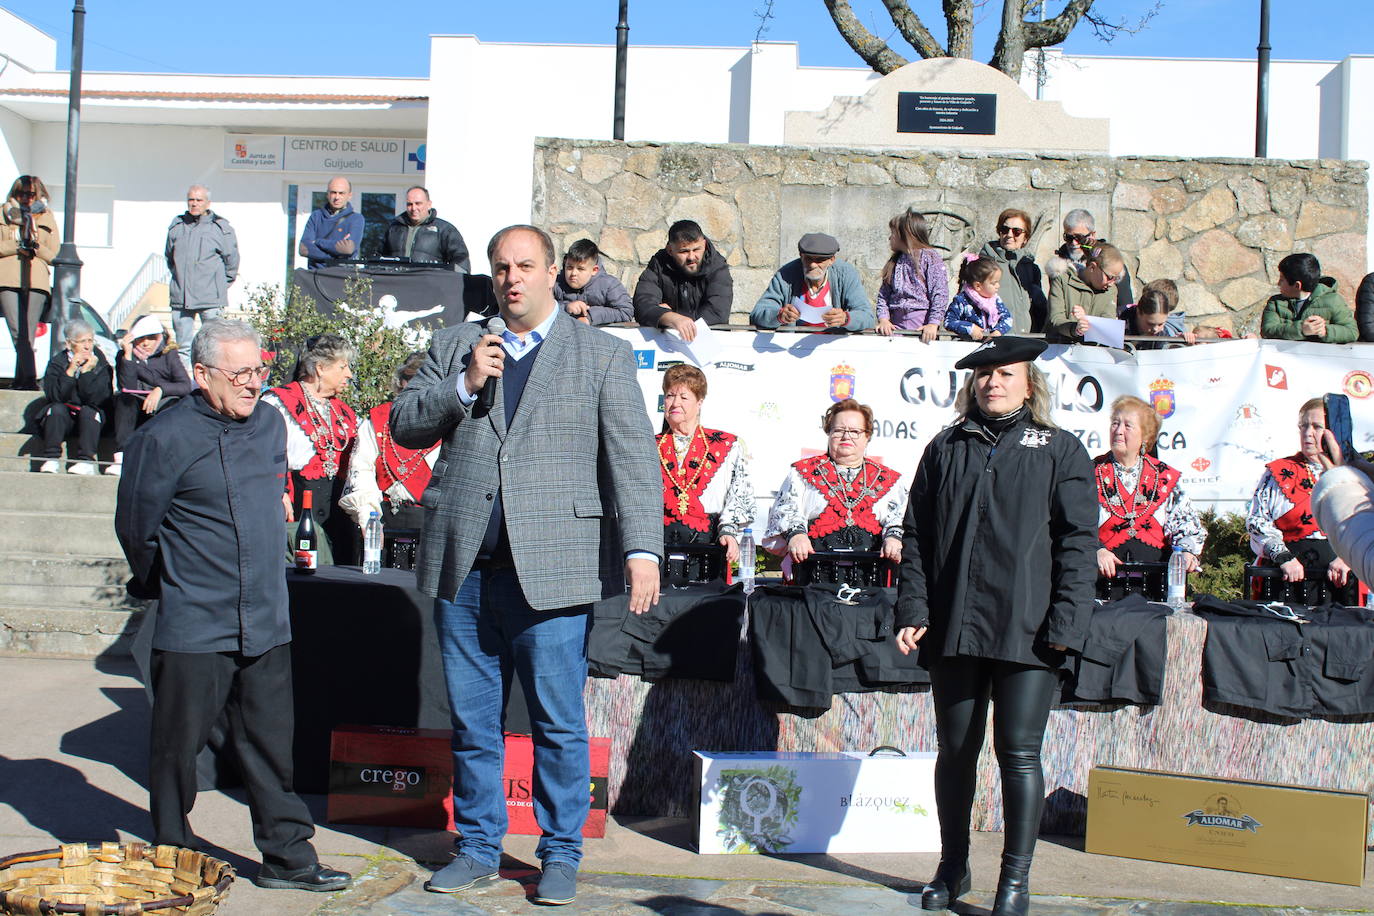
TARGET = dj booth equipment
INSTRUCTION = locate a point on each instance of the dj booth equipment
(437, 296)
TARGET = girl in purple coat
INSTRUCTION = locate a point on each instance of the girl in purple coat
(915, 288)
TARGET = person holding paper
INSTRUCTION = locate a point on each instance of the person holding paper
(1076, 295)
(149, 378)
(816, 290)
(686, 280)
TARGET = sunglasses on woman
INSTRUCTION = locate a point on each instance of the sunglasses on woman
(1014, 231)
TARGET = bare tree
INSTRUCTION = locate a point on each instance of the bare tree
(1018, 34)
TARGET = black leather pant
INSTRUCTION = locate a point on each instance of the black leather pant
(1022, 695)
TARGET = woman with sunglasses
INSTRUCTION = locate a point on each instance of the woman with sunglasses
(320, 429)
(28, 243)
(1023, 289)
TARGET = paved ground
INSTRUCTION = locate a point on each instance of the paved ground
(72, 763)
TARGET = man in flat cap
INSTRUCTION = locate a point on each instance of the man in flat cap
(815, 290)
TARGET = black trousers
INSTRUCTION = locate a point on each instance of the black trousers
(190, 690)
(961, 689)
(57, 421)
(129, 415)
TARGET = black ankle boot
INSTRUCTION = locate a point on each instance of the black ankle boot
(1013, 886)
(952, 880)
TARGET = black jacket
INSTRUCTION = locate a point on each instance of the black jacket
(706, 294)
(1000, 544)
(164, 369)
(437, 241)
(199, 515)
(1364, 308)
(89, 389)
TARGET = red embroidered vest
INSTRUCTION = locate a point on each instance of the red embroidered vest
(343, 429)
(1295, 480)
(396, 462)
(873, 481)
(1133, 515)
(684, 485)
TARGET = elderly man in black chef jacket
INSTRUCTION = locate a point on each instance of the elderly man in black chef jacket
(199, 517)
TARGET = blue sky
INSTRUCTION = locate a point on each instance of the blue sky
(371, 38)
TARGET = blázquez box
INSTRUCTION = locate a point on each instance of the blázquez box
(764, 802)
(1256, 827)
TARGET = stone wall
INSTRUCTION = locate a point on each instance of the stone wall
(1216, 226)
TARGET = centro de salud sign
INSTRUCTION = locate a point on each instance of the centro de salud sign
(946, 113)
(336, 155)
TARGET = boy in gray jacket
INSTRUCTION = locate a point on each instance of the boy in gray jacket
(587, 292)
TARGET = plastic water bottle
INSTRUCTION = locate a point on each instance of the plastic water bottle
(1178, 578)
(747, 561)
(372, 544)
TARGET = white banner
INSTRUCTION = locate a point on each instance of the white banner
(1226, 408)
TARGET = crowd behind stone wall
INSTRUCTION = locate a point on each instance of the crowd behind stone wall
(1218, 227)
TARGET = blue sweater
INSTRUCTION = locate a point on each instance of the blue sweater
(846, 292)
(323, 232)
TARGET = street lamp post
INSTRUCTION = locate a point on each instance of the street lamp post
(1262, 89)
(67, 265)
(622, 52)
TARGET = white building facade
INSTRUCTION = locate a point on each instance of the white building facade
(265, 145)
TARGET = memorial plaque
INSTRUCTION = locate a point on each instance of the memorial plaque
(946, 113)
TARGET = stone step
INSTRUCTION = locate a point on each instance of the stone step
(88, 534)
(110, 596)
(33, 492)
(76, 632)
(12, 407)
(34, 569)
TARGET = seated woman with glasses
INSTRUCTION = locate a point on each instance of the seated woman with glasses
(320, 429)
(841, 500)
(1023, 288)
(1080, 238)
(1077, 295)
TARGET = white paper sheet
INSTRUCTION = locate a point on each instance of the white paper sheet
(1110, 332)
(704, 349)
(810, 314)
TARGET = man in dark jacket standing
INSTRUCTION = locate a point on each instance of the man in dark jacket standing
(685, 281)
(422, 237)
(334, 231)
(203, 256)
(199, 516)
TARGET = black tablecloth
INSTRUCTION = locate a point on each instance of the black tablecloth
(364, 652)
(416, 288)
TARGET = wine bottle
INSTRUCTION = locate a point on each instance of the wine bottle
(307, 539)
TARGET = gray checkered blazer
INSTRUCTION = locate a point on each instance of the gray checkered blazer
(578, 469)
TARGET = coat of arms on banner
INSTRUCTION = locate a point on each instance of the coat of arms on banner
(841, 382)
(1162, 397)
(1358, 384)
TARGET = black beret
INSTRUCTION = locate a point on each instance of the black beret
(999, 351)
(818, 244)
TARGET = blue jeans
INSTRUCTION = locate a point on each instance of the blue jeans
(184, 326)
(487, 633)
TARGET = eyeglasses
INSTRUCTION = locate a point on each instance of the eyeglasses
(242, 377)
(848, 433)
(1014, 231)
(1081, 238)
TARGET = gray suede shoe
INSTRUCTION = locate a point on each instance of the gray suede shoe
(558, 884)
(459, 875)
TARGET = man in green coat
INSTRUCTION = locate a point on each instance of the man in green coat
(1307, 306)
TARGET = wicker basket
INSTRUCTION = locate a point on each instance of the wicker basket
(113, 879)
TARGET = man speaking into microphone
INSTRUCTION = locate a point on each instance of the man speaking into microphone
(545, 498)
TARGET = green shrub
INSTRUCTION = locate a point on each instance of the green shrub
(1224, 556)
(286, 322)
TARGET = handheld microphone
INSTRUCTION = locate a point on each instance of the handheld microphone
(486, 398)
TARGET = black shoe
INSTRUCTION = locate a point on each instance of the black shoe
(315, 877)
(949, 884)
(1013, 887)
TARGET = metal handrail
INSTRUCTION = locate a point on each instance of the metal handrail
(154, 270)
